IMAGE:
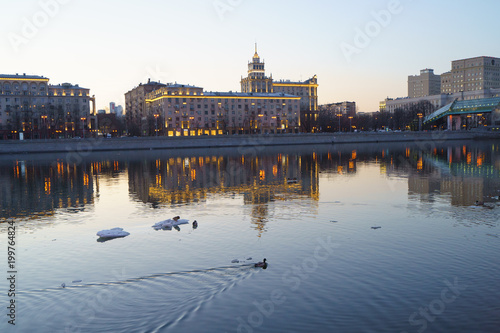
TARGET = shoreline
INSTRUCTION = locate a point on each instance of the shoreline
(226, 141)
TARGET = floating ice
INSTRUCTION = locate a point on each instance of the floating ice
(112, 233)
(169, 223)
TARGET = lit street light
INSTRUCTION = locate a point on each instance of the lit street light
(339, 115)
(83, 126)
(350, 125)
(156, 123)
(44, 117)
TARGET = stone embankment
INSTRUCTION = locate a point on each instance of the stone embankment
(150, 143)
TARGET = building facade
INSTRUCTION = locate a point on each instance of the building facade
(31, 106)
(342, 108)
(184, 110)
(258, 82)
(437, 101)
(473, 74)
(135, 106)
(425, 84)
(262, 106)
(471, 78)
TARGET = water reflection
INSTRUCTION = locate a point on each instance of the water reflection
(261, 179)
(32, 187)
(258, 180)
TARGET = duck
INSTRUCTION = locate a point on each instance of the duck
(261, 263)
(195, 224)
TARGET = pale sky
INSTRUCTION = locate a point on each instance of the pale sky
(362, 51)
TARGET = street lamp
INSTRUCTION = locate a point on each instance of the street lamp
(339, 115)
(83, 126)
(419, 121)
(44, 117)
(350, 125)
(156, 123)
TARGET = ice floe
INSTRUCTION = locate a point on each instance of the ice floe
(112, 233)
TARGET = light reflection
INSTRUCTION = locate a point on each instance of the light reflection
(464, 172)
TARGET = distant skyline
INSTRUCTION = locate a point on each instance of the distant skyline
(361, 51)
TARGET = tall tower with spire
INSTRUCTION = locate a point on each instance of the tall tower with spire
(256, 81)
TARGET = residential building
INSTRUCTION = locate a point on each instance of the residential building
(262, 106)
(341, 108)
(135, 105)
(69, 109)
(473, 74)
(425, 84)
(184, 110)
(446, 83)
(31, 106)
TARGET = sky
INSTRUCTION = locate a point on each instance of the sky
(361, 51)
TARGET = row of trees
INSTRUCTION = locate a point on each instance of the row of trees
(410, 118)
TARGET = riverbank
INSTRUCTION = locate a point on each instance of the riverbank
(150, 143)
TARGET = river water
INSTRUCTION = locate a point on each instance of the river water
(359, 238)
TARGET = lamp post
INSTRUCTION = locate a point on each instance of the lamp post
(419, 121)
(83, 126)
(339, 115)
(44, 120)
(350, 125)
(156, 115)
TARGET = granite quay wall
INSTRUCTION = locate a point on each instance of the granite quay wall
(150, 143)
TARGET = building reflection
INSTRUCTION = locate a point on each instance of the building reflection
(258, 180)
(468, 174)
(30, 189)
(463, 173)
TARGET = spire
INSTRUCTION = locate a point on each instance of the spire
(256, 55)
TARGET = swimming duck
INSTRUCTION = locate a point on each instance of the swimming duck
(195, 224)
(261, 263)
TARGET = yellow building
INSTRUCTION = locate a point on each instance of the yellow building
(185, 110)
(258, 82)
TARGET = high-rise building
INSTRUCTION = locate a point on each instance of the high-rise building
(471, 78)
(258, 82)
(472, 74)
(263, 106)
(425, 84)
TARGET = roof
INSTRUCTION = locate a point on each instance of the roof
(178, 85)
(22, 77)
(66, 86)
(249, 95)
(229, 95)
(481, 105)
